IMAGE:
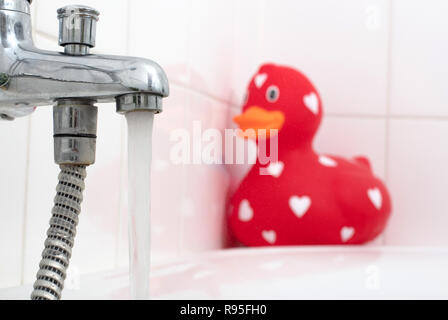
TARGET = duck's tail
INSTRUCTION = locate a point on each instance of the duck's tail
(363, 161)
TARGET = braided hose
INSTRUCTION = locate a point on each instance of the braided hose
(61, 234)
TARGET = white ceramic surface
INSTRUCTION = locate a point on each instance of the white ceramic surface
(283, 273)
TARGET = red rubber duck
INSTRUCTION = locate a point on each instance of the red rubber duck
(303, 198)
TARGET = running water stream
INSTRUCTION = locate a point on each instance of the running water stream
(140, 127)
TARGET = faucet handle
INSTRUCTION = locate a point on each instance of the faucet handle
(77, 28)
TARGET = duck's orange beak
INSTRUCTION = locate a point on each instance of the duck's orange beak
(256, 119)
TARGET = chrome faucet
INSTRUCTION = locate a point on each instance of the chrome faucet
(32, 77)
(73, 81)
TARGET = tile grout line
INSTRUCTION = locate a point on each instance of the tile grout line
(236, 26)
(122, 198)
(388, 104)
(46, 35)
(27, 173)
(199, 92)
(361, 116)
(179, 246)
(231, 105)
(34, 18)
(261, 28)
(389, 89)
(25, 202)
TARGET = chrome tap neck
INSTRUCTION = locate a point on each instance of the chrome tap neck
(16, 5)
(15, 25)
(77, 29)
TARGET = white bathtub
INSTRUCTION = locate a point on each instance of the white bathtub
(282, 273)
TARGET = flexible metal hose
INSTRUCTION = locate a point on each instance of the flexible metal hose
(61, 234)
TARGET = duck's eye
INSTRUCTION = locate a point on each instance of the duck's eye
(272, 94)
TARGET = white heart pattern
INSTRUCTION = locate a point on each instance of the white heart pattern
(275, 169)
(376, 197)
(311, 102)
(260, 79)
(327, 162)
(245, 211)
(270, 236)
(299, 205)
(347, 233)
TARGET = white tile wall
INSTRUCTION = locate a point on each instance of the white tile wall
(164, 35)
(14, 143)
(247, 45)
(211, 31)
(341, 45)
(42, 180)
(418, 60)
(418, 159)
(379, 65)
(205, 186)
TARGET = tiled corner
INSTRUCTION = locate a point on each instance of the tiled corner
(418, 60)
(159, 30)
(203, 209)
(341, 45)
(187, 201)
(203, 200)
(418, 157)
(13, 144)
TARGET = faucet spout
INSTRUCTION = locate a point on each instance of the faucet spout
(40, 77)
